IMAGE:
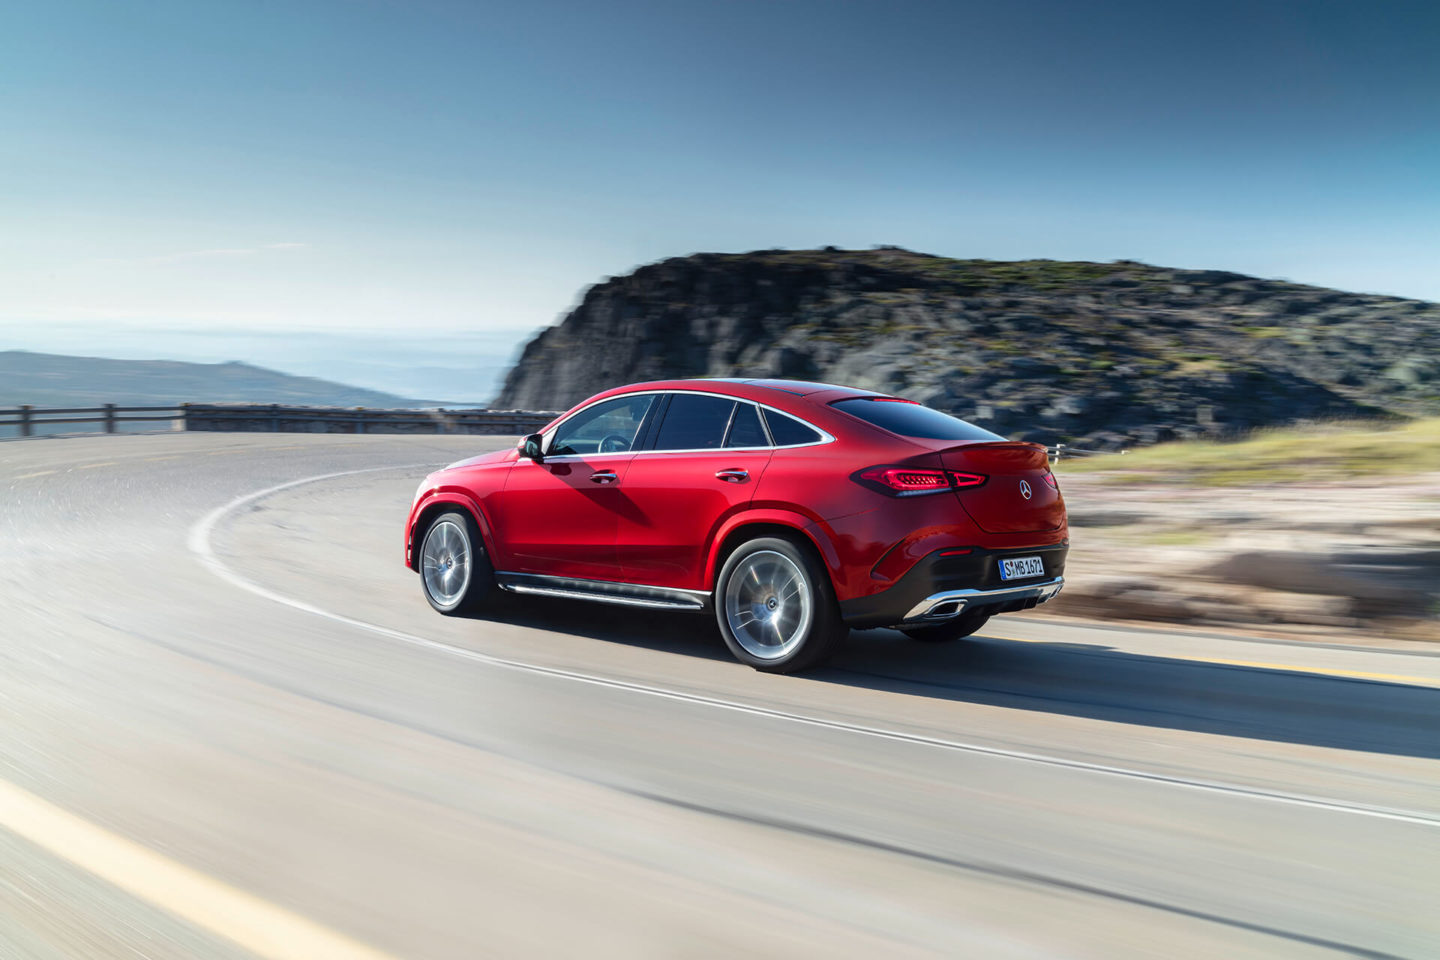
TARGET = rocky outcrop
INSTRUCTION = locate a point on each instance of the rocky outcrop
(1099, 355)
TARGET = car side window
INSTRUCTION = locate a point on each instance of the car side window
(609, 426)
(694, 421)
(745, 428)
(789, 432)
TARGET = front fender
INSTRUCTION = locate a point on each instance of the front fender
(442, 496)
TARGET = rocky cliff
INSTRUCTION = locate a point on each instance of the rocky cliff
(1095, 354)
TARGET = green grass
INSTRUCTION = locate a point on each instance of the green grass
(1335, 451)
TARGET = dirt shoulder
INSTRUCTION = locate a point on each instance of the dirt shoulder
(1349, 557)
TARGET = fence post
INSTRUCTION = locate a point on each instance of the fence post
(359, 419)
(185, 416)
(25, 428)
(109, 418)
(274, 418)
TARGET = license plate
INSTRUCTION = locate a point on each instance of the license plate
(1021, 567)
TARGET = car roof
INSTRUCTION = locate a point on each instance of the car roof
(762, 390)
(799, 388)
(805, 399)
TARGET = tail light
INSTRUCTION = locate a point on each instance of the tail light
(903, 481)
(1050, 479)
(908, 481)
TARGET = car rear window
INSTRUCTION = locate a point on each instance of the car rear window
(694, 422)
(789, 432)
(745, 429)
(912, 419)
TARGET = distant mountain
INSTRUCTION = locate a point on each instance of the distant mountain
(1099, 354)
(47, 379)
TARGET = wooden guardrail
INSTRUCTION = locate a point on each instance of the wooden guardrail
(1060, 451)
(277, 417)
(273, 417)
(27, 417)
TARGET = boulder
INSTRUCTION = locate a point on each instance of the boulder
(1367, 584)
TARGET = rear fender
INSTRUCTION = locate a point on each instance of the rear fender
(770, 516)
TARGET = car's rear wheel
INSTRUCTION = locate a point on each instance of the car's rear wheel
(775, 606)
(454, 571)
(952, 629)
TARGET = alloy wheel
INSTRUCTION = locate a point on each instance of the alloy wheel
(768, 604)
(445, 562)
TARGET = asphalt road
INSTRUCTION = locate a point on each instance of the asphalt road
(230, 726)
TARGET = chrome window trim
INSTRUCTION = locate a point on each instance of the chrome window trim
(825, 435)
(549, 434)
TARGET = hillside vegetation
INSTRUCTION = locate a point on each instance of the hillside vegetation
(1302, 455)
(1101, 355)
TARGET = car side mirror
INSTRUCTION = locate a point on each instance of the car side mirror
(531, 447)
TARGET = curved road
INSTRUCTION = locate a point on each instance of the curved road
(233, 728)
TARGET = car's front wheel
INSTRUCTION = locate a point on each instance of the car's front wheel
(454, 571)
(775, 606)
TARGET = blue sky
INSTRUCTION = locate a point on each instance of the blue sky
(393, 168)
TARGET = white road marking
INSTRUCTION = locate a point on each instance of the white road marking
(199, 542)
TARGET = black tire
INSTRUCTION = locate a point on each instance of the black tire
(752, 569)
(453, 531)
(952, 629)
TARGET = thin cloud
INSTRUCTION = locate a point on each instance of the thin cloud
(201, 255)
(210, 254)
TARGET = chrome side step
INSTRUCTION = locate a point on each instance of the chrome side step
(629, 594)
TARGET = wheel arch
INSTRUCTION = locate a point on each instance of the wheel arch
(748, 526)
(432, 507)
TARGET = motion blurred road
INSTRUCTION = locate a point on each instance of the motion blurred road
(233, 728)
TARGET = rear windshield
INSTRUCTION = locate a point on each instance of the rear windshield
(912, 420)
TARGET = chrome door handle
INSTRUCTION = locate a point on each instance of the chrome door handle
(733, 476)
(603, 476)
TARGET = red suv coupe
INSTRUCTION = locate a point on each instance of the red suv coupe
(792, 510)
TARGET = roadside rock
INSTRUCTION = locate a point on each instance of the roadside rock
(1387, 582)
(1305, 608)
(1135, 602)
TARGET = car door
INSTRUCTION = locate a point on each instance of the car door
(702, 464)
(558, 516)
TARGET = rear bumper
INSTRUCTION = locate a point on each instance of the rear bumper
(940, 587)
(943, 606)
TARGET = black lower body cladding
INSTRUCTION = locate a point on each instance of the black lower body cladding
(977, 570)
